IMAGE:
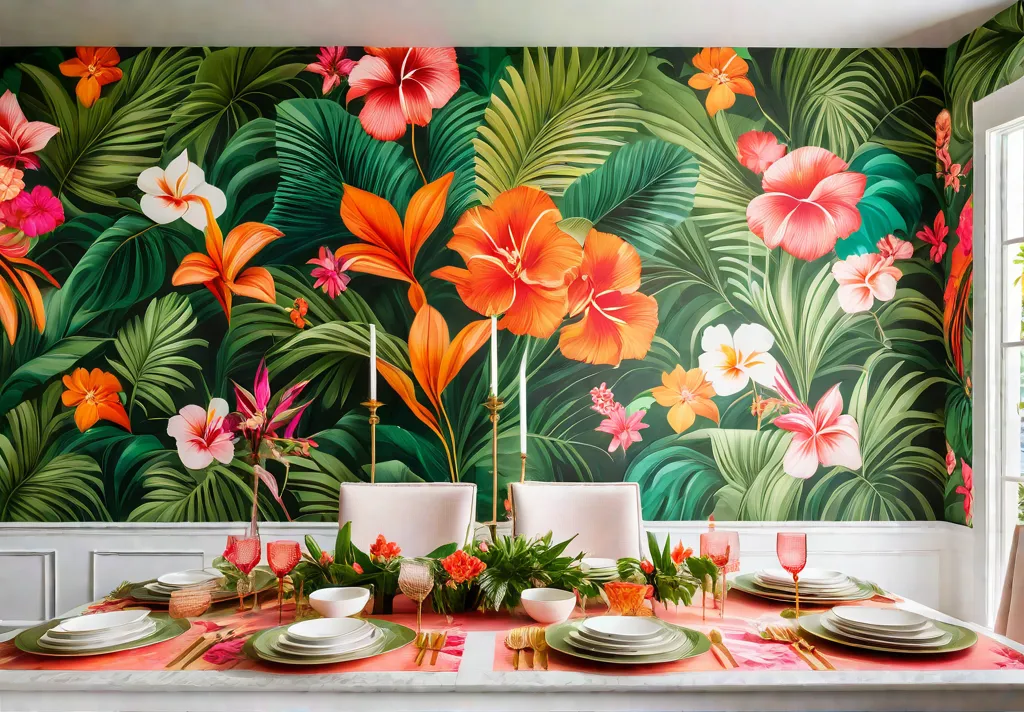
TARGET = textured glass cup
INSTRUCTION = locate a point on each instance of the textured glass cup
(792, 550)
(416, 579)
(189, 603)
(282, 556)
(244, 552)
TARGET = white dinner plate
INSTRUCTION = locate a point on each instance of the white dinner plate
(326, 630)
(55, 634)
(348, 641)
(807, 576)
(789, 586)
(622, 628)
(95, 622)
(887, 641)
(604, 640)
(660, 646)
(193, 577)
(282, 646)
(927, 634)
(888, 618)
(97, 643)
(590, 562)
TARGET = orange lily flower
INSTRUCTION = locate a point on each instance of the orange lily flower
(389, 249)
(435, 360)
(97, 66)
(618, 322)
(687, 394)
(518, 261)
(723, 72)
(219, 269)
(13, 248)
(94, 397)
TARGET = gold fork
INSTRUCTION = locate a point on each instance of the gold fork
(421, 646)
(806, 651)
(437, 645)
(517, 640)
(540, 647)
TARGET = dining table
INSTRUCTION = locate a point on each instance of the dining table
(210, 668)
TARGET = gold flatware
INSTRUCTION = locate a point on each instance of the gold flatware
(782, 634)
(800, 642)
(183, 654)
(540, 646)
(198, 647)
(720, 651)
(438, 645)
(517, 640)
(422, 640)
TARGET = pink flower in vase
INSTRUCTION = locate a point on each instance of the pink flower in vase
(624, 429)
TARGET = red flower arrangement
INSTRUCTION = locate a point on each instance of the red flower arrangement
(681, 554)
(383, 551)
(462, 567)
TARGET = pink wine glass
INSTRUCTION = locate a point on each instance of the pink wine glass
(244, 552)
(282, 556)
(717, 546)
(792, 550)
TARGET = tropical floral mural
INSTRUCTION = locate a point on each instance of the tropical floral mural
(740, 278)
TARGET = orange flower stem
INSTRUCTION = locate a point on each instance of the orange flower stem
(448, 454)
(412, 142)
(771, 120)
(454, 473)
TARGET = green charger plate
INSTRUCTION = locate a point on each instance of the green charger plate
(696, 643)
(258, 647)
(166, 628)
(745, 583)
(264, 578)
(963, 638)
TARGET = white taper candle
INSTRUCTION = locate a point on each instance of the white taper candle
(494, 355)
(373, 362)
(522, 406)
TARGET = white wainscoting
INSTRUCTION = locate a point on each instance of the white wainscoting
(47, 569)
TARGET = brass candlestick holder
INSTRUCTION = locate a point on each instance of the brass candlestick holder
(493, 405)
(522, 471)
(373, 405)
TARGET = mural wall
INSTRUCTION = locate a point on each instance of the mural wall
(740, 278)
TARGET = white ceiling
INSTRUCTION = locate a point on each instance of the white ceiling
(667, 23)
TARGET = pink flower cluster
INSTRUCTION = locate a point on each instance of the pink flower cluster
(623, 427)
(34, 212)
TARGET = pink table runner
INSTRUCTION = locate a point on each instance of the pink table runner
(739, 632)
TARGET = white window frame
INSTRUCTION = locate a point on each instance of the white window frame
(995, 116)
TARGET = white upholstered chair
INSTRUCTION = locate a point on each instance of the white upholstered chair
(1010, 618)
(419, 517)
(605, 516)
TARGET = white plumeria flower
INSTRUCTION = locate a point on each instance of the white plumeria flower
(174, 192)
(731, 361)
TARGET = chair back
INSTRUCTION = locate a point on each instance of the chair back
(1010, 618)
(605, 516)
(418, 516)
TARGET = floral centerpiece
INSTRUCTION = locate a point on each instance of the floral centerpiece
(455, 580)
(666, 572)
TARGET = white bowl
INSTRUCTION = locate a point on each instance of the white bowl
(96, 622)
(548, 605)
(339, 602)
(326, 631)
(623, 628)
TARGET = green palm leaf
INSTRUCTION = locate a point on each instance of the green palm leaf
(233, 86)
(677, 483)
(900, 434)
(640, 193)
(35, 484)
(558, 118)
(104, 148)
(247, 171)
(151, 350)
(757, 488)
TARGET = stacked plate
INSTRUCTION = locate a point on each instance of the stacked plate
(87, 634)
(600, 570)
(196, 578)
(887, 629)
(816, 586)
(328, 640)
(626, 640)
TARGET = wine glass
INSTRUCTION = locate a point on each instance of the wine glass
(282, 556)
(415, 579)
(717, 546)
(244, 552)
(792, 550)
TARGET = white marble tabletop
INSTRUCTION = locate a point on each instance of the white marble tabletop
(477, 687)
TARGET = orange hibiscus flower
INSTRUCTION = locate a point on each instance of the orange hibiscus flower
(220, 270)
(94, 396)
(435, 361)
(687, 394)
(97, 67)
(389, 249)
(518, 261)
(618, 322)
(723, 72)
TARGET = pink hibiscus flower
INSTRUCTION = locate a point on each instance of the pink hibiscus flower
(332, 66)
(863, 279)
(967, 490)
(20, 138)
(35, 213)
(758, 150)
(820, 437)
(809, 203)
(402, 85)
(202, 435)
(330, 273)
(894, 248)
(603, 399)
(624, 429)
(935, 236)
(965, 227)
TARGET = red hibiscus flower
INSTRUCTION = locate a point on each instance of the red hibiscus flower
(402, 85)
(809, 203)
(936, 237)
(20, 138)
(618, 322)
(518, 262)
(758, 150)
(35, 213)
(383, 550)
